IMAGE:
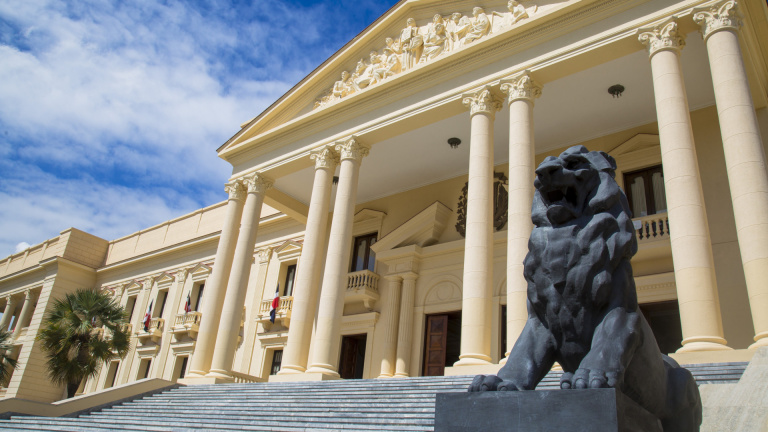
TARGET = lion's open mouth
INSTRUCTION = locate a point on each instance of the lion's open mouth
(563, 196)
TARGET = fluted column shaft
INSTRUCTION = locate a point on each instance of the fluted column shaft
(10, 307)
(521, 91)
(390, 310)
(405, 326)
(232, 310)
(26, 312)
(744, 156)
(478, 249)
(689, 235)
(326, 340)
(296, 354)
(217, 283)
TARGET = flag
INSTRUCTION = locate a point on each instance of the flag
(275, 304)
(148, 317)
(188, 305)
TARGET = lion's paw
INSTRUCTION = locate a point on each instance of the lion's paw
(483, 383)
(588, 378)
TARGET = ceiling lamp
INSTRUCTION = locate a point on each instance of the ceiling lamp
(616, 90)
(454, 142)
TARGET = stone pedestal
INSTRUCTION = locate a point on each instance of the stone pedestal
(593, 410)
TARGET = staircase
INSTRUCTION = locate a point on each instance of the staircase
(361, 405)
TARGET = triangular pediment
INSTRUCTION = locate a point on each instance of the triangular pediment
(400, 49)
(200, 271)
(423, 229)
(164, 279)
(287, 250)
(366, 215)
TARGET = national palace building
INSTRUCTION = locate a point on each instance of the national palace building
(387, 198)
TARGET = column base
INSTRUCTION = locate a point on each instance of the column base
(401, 375)
(382, 376)
(308, 376)
(291, 370)
(324, 369)
(704, 344)
(219, 373)
(473, 360)
(761, 340)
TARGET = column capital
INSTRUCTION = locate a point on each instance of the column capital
(482, 101)
(264, 254)
(352, 149)
(257, 183)
(325, 157)
(720, 15)
(235, 190)
(520, 87)
(663, 36)
(181, 275)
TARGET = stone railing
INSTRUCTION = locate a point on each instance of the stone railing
(241, 378)
(186, 324)
(155, 330)
(363, 286)
(363, 279)
(652, 227)
(282, 314)
(189, 319)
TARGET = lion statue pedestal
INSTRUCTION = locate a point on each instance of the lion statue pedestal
(582, 303)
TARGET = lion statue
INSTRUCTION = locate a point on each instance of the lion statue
(582, 304)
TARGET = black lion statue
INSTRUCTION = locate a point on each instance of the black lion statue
(582, 303)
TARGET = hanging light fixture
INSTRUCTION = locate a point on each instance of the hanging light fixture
(616, 90)
(454, 142)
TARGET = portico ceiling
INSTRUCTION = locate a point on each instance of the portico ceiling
(571, 110)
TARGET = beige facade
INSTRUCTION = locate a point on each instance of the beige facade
(382, 281)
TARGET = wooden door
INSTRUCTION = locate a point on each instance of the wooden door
(436, 345)
(348, 354)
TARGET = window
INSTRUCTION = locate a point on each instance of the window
(290, 275)
(162, 296)
(130, 306)
(199, 296)
(144, 368)
(180, 368)
(645, 191)
(277, 360)
(363, 258)
(111, 374)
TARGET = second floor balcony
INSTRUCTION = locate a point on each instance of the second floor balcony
(153, 332)
(186, 324)
(362, 286)
(282, 313)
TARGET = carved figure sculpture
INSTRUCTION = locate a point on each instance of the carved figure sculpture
(457, 28)
(434, 44)
(481, 25)
(582, 304)
(412, 43)
(517, 12)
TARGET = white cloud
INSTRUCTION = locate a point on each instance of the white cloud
(22, 247)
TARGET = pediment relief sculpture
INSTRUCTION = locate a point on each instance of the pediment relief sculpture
(416, 45)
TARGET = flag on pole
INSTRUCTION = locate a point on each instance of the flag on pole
(188, 304)
(148, 317)
(275, 304)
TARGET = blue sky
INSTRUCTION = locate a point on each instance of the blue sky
(111, 111)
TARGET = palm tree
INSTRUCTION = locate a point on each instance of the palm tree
(7, 363)
(83, 330)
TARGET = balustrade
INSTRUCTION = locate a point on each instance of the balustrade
(186, 324)
(653, 226)
(363, 286)
(282, 313)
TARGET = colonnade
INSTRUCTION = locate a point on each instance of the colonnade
(28, 300)
(320, 303)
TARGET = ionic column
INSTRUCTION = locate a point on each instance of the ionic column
(521, 91)
(216, 284)
(478, 249)
(326, 340)
(405, 327)
(10, 308)
(390, 308)
(26, 312)
(232, 310)
(689, 236)
(296, 354)
(744, 157)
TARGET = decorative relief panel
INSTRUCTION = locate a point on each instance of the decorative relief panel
(500, 205)
(416, 45)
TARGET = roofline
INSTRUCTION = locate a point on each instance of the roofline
(275, 103)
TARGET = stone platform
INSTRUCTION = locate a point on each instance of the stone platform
(593, 410)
